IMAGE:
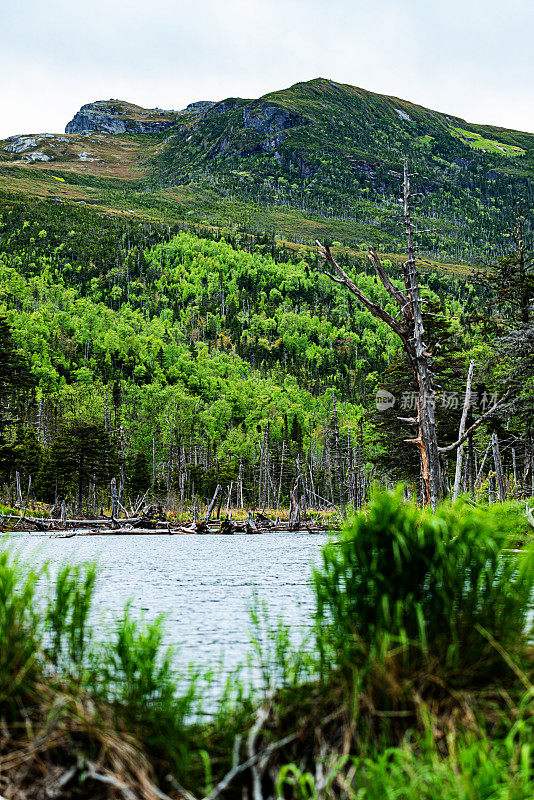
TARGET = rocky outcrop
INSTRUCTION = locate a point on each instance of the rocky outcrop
(116, 117)
(268, 119)
(18, 144)
(200, 107)
(223, 106)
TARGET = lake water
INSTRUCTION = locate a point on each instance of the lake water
(204, 585)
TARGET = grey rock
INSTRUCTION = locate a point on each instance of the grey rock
(272, 142)
(36, 157)
(403, 115)
(20, 143)
(199, 106)
(105, 118)
(267, 119)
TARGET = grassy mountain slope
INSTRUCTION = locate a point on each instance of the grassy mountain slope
(317, 160)
(333, 151)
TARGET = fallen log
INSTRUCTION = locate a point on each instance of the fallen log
(227, 527)
(264, 521)
(250, 525)
(122, 532)
(200, 526)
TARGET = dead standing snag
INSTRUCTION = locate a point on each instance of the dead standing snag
(408, 326)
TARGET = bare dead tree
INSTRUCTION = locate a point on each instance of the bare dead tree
(337, 453)
(460, 450)
(408, 325)
(295, 493)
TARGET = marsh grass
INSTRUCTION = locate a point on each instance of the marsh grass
(425, 656)
(68, 698)
(431, 584)
(417, 681)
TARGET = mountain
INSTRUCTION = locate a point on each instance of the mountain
(319, 159)
(321, 129)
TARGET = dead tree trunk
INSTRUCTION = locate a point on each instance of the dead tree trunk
(527, 463)
(337, 454)
(409, 328)
(122, 481)
(280, 481)
(499, 476)
(426, 440)
(240, 486)
(18, 489)
(294, 504)
(114, 499)
(212, 504)
(460, 450)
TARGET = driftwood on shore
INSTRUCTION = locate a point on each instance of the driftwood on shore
(150, 520)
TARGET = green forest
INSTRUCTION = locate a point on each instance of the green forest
(180, 360)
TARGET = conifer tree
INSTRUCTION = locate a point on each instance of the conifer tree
(140, 474)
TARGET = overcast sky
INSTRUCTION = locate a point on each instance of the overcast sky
(470, 58)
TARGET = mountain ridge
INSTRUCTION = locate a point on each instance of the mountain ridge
(317, 156)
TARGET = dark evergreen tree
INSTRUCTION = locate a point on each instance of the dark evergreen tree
(82, 453)
(139, 475)
(27, 453)
(296, 433)
(14, 375)
(15, 380)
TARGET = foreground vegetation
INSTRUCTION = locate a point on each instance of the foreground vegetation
(419, 681)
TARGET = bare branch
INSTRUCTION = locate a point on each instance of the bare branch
(465, 410)
(333, 278)
(375, 310)
(478, 479)
(110, 780)
(250, 762)
(451, 447)
(262, 716)
(390, 287)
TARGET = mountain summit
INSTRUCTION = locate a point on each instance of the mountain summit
(317, 158)
(321, 127)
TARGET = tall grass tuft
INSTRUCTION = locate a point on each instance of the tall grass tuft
(66, 617)
(438, 585)
(136, 675)
(20, 636)
(53, 672)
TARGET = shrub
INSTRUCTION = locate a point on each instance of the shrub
(440, 584)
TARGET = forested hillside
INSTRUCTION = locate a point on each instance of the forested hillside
(166, 319)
